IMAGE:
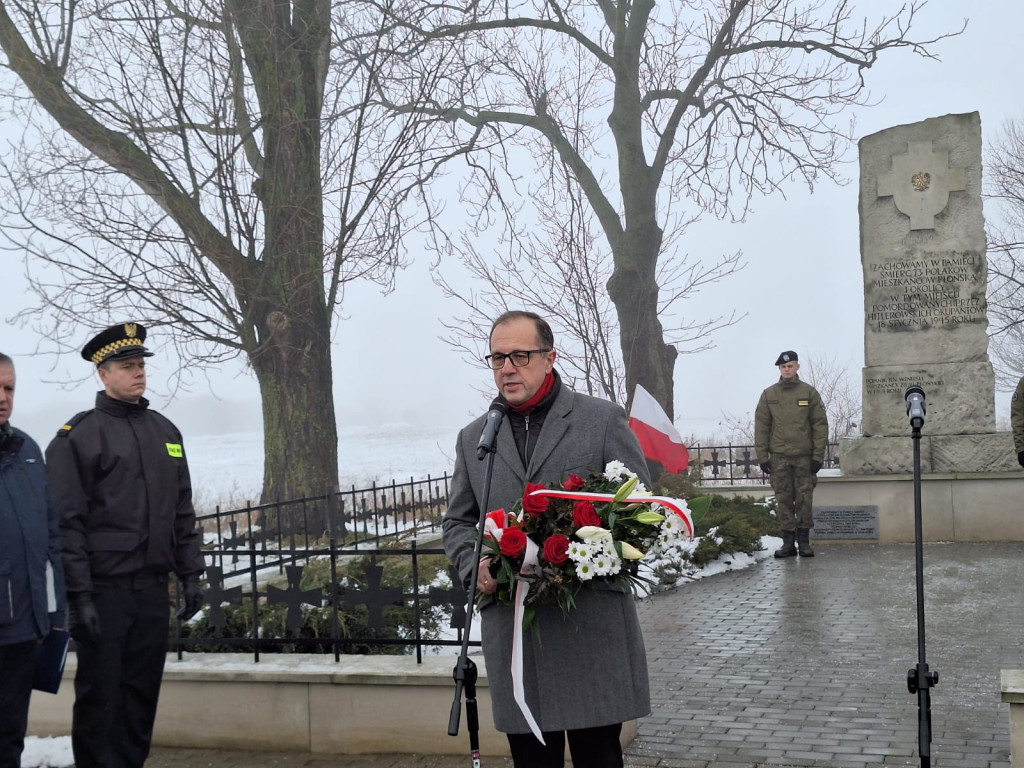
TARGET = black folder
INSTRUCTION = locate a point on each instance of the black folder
(50, 661)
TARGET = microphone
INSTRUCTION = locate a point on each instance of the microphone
(489, 434)
(915, 406)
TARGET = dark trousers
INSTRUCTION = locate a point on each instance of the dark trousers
(590, 748)
(793, 483)
(16, 668)
(118, 680)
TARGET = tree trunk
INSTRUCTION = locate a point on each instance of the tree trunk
(648, 360)
(291, 346)
(300, 453)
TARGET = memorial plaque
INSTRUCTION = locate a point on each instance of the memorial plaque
(845, 523)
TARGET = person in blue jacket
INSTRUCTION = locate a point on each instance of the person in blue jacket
(31, 577)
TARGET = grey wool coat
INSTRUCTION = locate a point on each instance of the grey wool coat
(589, 668)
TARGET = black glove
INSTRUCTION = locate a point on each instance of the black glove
(815, 467)
(83, 618)
(192, 597)
(766, 468)
(1020, 458)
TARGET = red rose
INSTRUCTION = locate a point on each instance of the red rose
(513, 542)
(556, 549)
(573, 483)
(534, 506)
(583, 513)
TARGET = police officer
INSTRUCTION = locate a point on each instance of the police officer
(121, 485)
(790, 435)
(31, 578)
(1017, 420)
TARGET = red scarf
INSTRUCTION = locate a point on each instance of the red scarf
(545, 388)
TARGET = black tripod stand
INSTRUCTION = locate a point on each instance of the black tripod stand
(919, 679)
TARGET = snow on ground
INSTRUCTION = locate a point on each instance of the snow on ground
(52, 752)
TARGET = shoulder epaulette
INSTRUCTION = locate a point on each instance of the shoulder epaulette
(65, 430)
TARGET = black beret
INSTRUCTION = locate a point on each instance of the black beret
(789, 356)
(116, 343)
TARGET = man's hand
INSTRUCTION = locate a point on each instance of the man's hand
(766, 467)
(83, 618)
(485, 583)
(815, 467)
(192, 597)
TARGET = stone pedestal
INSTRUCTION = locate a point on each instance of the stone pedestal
(885, 455)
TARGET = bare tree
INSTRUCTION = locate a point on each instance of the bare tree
(217, 170)
(660, 112)
(1005, 182)
(839, 392)
(558, 269)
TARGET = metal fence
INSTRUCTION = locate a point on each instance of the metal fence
(338, 613)
(737, 464)
(248, 549)
(357, 518)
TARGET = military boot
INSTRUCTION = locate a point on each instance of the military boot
(788, 548)
(803, 537)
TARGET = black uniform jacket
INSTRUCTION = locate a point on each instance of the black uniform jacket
(121, 486)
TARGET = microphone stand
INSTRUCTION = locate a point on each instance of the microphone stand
(919, 679)
(465, 672)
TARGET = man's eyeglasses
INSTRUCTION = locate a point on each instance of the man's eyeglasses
(519, 358)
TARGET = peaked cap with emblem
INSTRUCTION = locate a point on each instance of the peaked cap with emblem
(116, 343)
(788, 356)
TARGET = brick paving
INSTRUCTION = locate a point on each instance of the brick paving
(801, 663)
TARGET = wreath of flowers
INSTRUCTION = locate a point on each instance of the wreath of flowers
(558, 540)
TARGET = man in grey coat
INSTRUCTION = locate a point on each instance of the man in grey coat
(586, 674)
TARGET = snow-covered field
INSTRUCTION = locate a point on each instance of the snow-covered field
(228, 469)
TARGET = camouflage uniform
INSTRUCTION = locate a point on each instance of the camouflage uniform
(1017, 420)
(791, 431)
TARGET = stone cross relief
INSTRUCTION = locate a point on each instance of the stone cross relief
(920, 183)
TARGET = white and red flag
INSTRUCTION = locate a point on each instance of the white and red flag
(658, 438)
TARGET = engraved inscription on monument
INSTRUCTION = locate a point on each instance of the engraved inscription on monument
(934, 289)
(845, 522)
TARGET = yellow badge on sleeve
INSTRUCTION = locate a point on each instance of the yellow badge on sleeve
(174, 449)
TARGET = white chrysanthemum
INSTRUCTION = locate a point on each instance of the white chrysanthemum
(640, 489)
(585, 570)
(615, 470)
(580, 551)
(606, 564)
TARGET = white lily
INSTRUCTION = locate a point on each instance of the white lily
(595, 534)
(629, 552)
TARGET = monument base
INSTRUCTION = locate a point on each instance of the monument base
(954, 507)
(991, 452)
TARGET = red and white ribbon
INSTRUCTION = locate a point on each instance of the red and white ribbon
(530, 558)
(676, 505)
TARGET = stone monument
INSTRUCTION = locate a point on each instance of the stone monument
(923, 246)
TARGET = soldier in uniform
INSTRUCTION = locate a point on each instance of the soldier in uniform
(790, 435)
(1017, 420)
(121, 486)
